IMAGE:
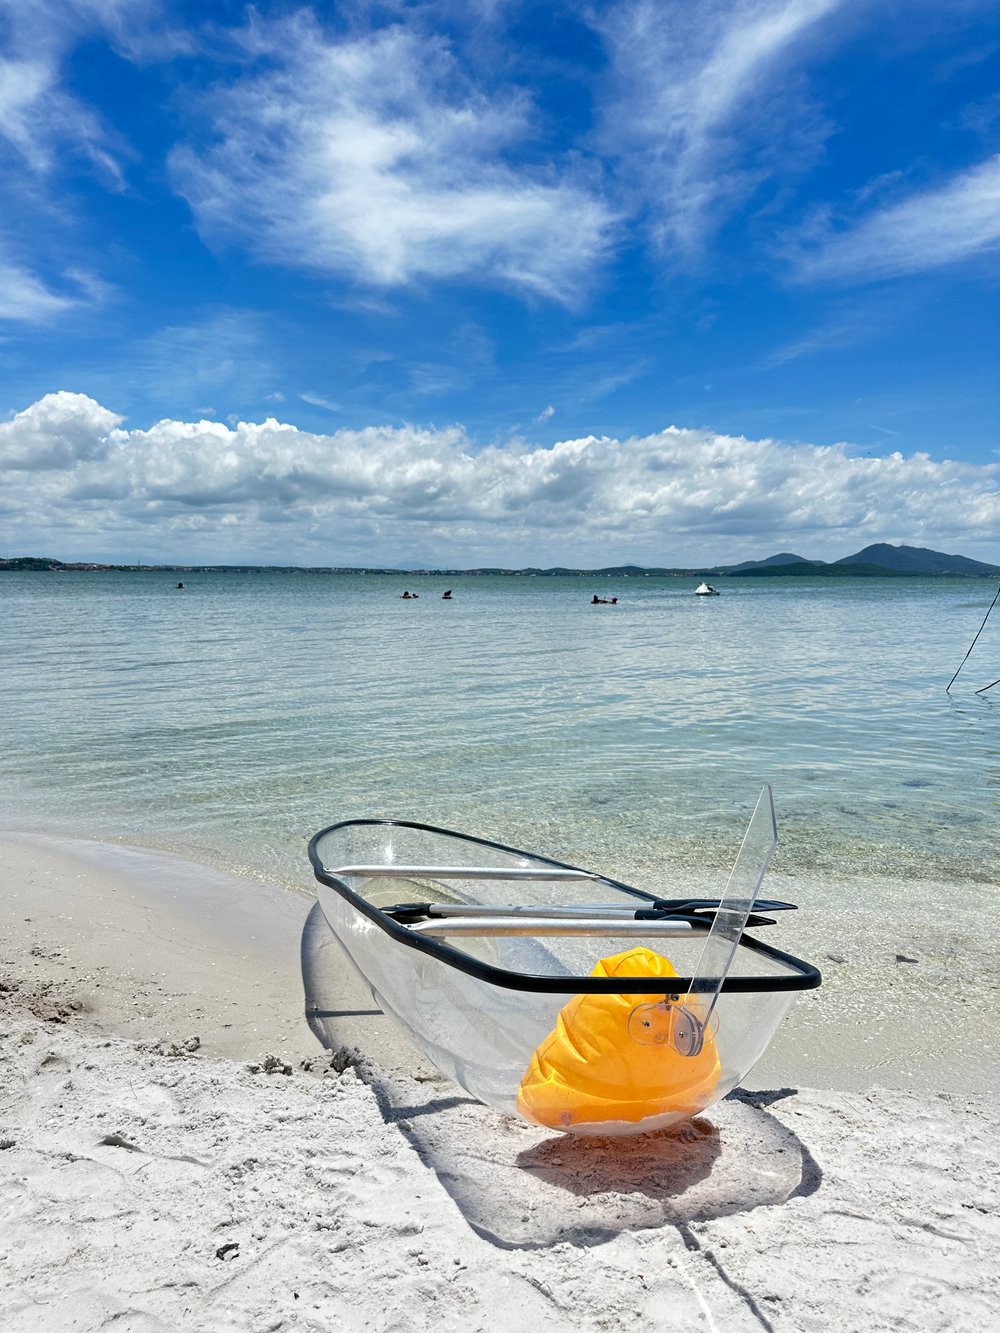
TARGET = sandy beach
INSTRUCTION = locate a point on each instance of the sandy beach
(178, 1151)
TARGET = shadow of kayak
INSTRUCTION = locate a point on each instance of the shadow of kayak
(521, 1187)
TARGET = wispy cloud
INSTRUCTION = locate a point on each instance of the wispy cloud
(40, 118)
(30, 299)
(69, 465)
(699, 87)
(375, 159)
(222, 353)
(844, 323)
(317, 400)
(597, 381)
(25, 298)
(138, 29)
(40, 121)
(943, 225)
(45, 130)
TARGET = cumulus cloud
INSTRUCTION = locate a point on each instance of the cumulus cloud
(76, 482)
(58, 432)
(321, 161)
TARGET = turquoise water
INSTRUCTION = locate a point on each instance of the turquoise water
(232, 719)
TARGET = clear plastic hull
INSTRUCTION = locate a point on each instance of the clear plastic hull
(571, 1059)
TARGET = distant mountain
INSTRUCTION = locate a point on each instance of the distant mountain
(815, 569)
(783, 558)
(917, 560)
(878, 561)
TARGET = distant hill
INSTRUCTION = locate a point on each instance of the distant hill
(816, 570)
(29, 562)
(878, 561)
(783, 558)
(917, 560)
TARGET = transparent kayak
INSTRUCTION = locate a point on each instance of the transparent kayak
(554, 994)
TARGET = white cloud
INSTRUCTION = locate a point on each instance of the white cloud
(700, 88)
(44, 129)
(135, 28)
(956, 221)
(317, 400)
(26, 298)
(23, 85)
(75, 482)
(374, 158)
(39, 120)
(58, 432)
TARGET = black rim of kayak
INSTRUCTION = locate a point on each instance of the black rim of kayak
(801, 975)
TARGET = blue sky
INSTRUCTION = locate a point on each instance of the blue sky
(498, 283)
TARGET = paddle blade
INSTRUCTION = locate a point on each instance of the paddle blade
(742, 891)
(683, 1021)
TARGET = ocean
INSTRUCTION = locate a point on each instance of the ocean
(228, 721)
(234, 717)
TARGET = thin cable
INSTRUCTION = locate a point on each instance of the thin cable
(972, 645)
(988, 687)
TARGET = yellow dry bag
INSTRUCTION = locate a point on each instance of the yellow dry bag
(591, 1071)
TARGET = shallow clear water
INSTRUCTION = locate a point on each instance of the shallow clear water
(233, 719)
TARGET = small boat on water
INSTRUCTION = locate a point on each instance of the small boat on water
(706, 590)
(546, 991)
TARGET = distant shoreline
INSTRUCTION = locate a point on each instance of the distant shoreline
(851, 568)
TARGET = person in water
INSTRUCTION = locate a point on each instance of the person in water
(446, 596)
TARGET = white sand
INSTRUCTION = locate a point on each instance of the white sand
(148, 1186)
